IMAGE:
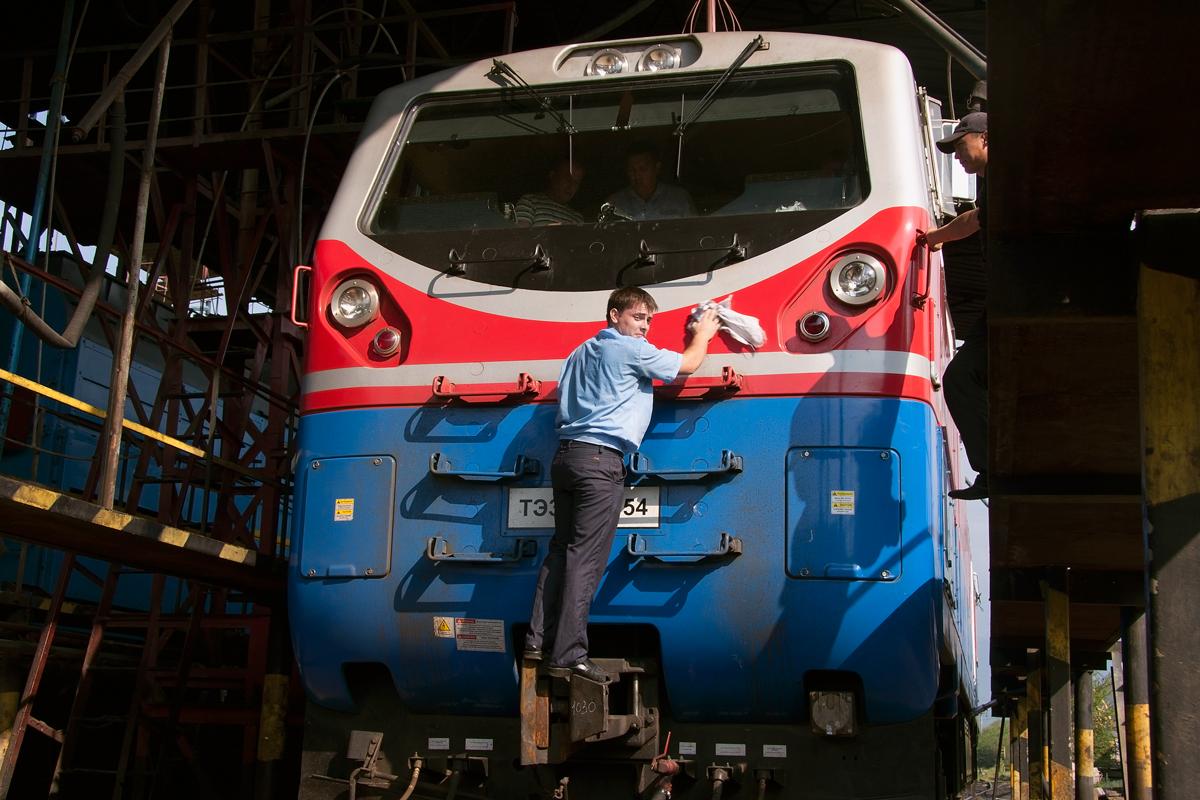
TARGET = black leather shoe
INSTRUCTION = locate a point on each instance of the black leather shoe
(581, 669)
(532, 653)
(976, 491)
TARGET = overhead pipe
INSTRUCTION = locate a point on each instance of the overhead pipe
(16, 303)
(951, 40)
(119, 81)
(58, 85)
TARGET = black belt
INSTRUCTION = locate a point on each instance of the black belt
(568, 444)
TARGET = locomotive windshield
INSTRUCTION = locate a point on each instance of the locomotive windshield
(586, 188)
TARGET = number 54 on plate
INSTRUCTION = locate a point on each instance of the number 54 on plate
(534, 508)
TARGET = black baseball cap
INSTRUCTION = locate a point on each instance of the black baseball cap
(975, 122)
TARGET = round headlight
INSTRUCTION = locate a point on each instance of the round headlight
(659, 57)
(857, 279)
(607, 62)
(355, 303)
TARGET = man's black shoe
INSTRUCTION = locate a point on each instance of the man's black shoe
(582, 669)
(976, 491)
(532, 653)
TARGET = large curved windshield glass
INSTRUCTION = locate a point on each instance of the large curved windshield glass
(581, 189)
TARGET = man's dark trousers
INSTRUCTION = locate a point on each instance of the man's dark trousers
(965, 387)
(589, 486)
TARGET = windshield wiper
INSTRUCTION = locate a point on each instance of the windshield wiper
(755, 45)
(502, 70)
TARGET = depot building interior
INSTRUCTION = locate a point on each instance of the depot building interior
(237, 120)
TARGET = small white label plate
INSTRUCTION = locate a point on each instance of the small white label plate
(774, 751)
(687, 748)
(728, 749)
(439, 743)
(478, 744)
(534, 508)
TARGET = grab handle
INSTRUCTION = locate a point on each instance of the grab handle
(296, 292)
(527, 386)
(922, 254)
(440, 465)
(727, 547)
(640, 465)
(702, 388)
(438, 549)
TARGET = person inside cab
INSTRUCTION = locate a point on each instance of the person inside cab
(646, 197)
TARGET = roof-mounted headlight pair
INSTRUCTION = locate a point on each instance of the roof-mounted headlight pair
(610, 61)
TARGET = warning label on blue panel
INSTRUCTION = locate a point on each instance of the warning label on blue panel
(841, 501)
(479, 635)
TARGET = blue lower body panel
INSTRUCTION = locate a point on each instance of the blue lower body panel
(837, 508)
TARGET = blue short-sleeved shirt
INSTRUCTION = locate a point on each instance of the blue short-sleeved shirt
(605, 394)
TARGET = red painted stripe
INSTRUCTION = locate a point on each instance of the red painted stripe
(435, 331)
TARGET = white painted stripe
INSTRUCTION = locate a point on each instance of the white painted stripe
(883, 362)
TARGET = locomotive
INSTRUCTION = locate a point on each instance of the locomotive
(788, 605)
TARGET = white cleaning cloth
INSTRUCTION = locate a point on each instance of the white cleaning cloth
(742, 327)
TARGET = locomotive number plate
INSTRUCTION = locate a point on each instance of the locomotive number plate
(534, 508)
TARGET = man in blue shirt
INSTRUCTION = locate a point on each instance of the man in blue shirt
(605, 397)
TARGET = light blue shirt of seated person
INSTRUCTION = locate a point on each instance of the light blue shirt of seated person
(667, 202)
(605, 390)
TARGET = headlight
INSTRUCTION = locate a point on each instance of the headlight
(832, 713)
(659, 57)
(607, 62)
(857, 279)
(355, 303)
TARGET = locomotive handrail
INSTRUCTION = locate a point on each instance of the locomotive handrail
(539, 261)
(922, 254)
(729, 382)
(647, 257)
(440, 464)
(438, 549)
(296, 292)
(727, 547)
(640, 465)
(527, 386)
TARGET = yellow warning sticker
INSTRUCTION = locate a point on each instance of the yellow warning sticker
(841, 502)
(443, 627)
(343, 509)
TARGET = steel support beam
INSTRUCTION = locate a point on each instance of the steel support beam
(1020, 760)
(1085, 751)
(1058, 683)
(1137, 704)
(123, 356)
(1169, 352)
(1035, 721)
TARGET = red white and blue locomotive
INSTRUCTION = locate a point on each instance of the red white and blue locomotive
(789, 599)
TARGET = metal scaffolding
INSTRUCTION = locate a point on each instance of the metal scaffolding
(170, 594)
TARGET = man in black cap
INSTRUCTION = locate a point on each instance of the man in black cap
(965, 380)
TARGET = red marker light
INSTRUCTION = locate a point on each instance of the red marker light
(386, 342)
(813, 326)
